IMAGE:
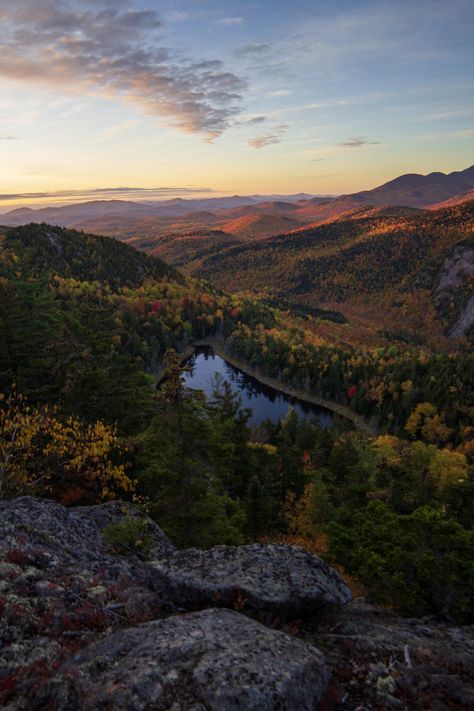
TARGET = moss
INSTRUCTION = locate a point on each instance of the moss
(128, 537)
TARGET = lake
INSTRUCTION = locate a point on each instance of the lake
(266, 403)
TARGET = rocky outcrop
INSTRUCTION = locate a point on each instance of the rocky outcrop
(84, 628)
(453, 292)
(61, 587)
(464, 322)
(279, 579)
(214, 660)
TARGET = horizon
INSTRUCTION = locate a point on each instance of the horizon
(214, 99)
(138, 196)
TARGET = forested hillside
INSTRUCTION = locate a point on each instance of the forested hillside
(390, 258)
(87, 324)
(42, 250)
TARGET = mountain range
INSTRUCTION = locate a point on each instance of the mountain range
(127, 218)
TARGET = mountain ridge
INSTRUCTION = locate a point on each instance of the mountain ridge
(409, 190)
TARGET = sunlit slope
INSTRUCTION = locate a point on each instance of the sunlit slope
(388, 258)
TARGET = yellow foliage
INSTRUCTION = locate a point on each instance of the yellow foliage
(268, 448)
(68, 459)
(425, 421)
(299, 513)
(388, 449)
(447, 467)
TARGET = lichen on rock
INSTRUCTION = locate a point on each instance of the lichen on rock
(280, 579)
(215, 659)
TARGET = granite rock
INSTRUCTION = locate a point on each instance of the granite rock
(280, 579)
(212, 660)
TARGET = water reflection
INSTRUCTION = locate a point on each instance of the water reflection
(266, 403)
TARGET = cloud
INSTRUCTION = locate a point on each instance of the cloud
(269, 138)
(111, 50)
(251, 120)
(333, 103)
(107, 193)
(278, 92)
(253, 49)
(8, 138)
(357, 142)
(441, 116)
(230, 21)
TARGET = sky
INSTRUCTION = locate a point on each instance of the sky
(199, 97)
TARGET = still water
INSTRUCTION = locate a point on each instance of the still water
(266, 403)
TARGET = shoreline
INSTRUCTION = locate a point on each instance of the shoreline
(218, 347)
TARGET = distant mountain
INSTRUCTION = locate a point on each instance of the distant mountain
(121, 218)
(413, 190)
(72, 215)
(69, 215)
(259, 226)
(456, 200)
(179, 206)
(292, 198)
(116, 216)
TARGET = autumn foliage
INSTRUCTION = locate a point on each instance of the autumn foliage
(44, 454)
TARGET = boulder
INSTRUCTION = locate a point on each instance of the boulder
(280, 579)
(213, 660)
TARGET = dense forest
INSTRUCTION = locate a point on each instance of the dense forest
(89, 325)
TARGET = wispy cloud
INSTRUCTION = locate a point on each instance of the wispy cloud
(253, 49)
(230, 21)
(278, 92)
(251, 120)
(112, 50)
(8, 138)
(357, 142)
(269, 137)
(328, 151)
(108, 193)
(333, 103)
